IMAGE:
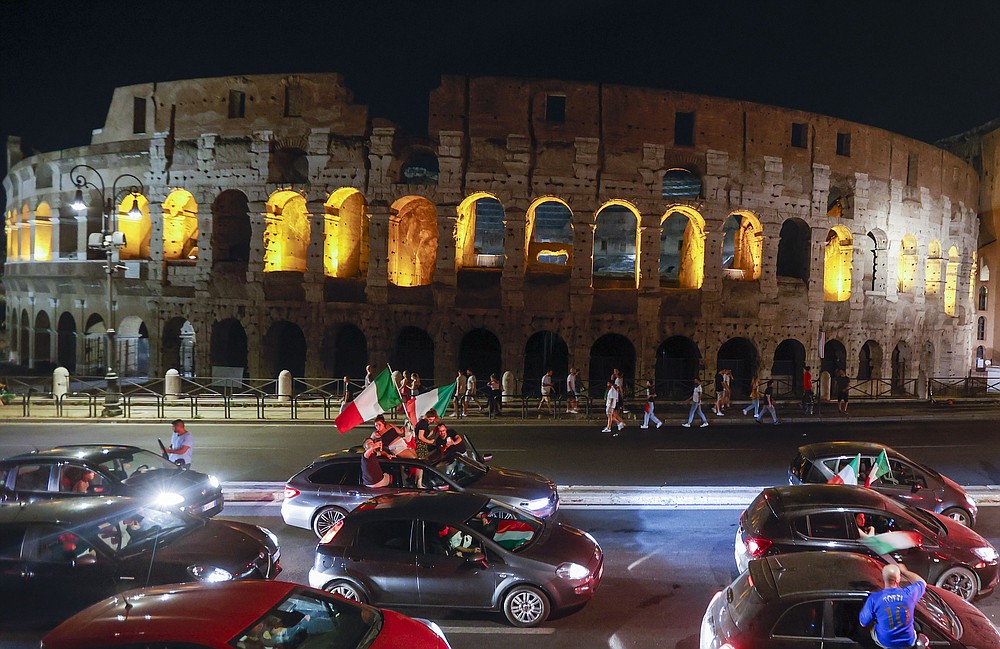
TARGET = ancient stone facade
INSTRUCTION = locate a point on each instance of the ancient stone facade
(537, 224)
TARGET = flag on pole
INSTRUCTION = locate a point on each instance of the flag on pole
(512, 534)
(888, 542)
(848, 474)
(380, 396)
(438, 398)
(879, 469)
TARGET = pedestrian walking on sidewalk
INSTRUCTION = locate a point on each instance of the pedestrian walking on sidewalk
(695, 400)
(768, 405)
(727, 389)
(572, 400)
(611, 400)
(650, 399)
(843, 384)
(754, 397)
(459, 395)
(546, 399)
(720, 392)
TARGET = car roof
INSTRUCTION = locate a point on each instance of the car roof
(799, 573)
(826, 449)
(210, 614)
(68, 511)
(89, 452)
(443, 507)
(786, 498)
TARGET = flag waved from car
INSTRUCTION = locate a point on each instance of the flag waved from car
(438, 399)
(879, 469)
(889, 542)
(848, 474)
(378, 397)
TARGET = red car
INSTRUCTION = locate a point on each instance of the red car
(240, 615)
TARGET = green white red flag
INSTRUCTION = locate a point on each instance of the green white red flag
(879, 469)
(380, 396)
(438, 399)
(511, 534)
(889, 542)
(848, 474)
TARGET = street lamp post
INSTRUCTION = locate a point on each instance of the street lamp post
(109, 241)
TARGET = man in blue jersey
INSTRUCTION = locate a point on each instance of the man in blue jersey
(892, 608)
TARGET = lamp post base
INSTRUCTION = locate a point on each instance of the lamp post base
(112, 397)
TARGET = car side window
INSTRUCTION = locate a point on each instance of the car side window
(905, 474)
(845, 621)
(388, 535)
(447, 541)
(800, 621)
(11, 540)
(76, 478)
(332, 474)
(32, 477)
(56, 545)
(823, 525)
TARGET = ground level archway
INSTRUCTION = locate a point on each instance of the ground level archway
(678, 362)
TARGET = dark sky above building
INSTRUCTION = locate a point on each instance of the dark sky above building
(922, 69)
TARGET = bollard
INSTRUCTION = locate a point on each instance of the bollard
(284, 386)
(172, 384)
(509, 386)
(60, 382)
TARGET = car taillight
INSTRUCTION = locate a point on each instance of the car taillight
(291, 492)
(756, 545)
(332, 532)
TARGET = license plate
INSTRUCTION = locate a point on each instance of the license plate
(209, 506)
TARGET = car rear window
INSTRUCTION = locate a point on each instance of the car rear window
(743, 602)
(389, 535)
(336, 473)
(822, 525)
(760, 511)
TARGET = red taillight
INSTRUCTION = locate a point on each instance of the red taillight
(756, 545)
(332, 532)
(291, 492)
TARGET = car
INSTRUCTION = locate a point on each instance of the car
(69, 553)
(458, 550)
(240, 615)
(811, 600)
(118, 471)
(781, 520)
(909, 482)
(322, 493)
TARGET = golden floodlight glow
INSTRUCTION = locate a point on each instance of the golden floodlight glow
(413, 241)
(345, 238)
(907, 264)
(286, 232)
(932, 270)
(838, 261)
(747, 243)
(180, 226)
(25, 237)
(465, 230)
(951, 283)
(42, 249)
(558, 254)
(692, 246)
(137, 230)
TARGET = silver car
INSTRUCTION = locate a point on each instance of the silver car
(321, 494)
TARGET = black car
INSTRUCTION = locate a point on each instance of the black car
(88, 470)
(828, 517)
(812, 600)
(458, 550)
(65, 554)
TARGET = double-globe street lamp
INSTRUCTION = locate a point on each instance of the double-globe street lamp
(109, 241)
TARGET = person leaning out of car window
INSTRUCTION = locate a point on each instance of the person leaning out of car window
(891, 609)
(372, 475)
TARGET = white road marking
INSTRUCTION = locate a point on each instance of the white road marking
(708, 450)
(496, 630)
(635, 563)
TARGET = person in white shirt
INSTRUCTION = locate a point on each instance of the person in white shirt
(181, 445)
(695, 400)
(546, 399)
(572, 400)
(612, 399)
(470, 391)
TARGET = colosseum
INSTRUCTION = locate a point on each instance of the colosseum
(535, 225)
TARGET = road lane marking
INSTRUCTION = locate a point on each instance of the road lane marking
(635, 563)
(495, 630)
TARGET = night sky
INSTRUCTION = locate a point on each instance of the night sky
(922, 69)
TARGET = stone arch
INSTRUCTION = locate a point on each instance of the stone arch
(983, 295)
(907, 264)
(413, 352)
(479, 232)
(480, 351)
(839, 203)
(25, 238)
(980, 358)
(177, 346)
(609, 352)
(932, 270)
(874, 250)
(286, 232)
(984, 272)
(838, 264)
(682, 248)
(132, 343)
(739, 355)
(43, 176)
(288, 166)
(134, 221)
(834, 357)
(616, 246)
(344, 351)
(900, 366)
(228, 346)
(549, 236)
(24, 343)
(870, 361)
(66, 341)
(544, 350)
(345, 234)
(94, 344)
(794, 242)
(678, 361)
(180, 226)
(43, 341)
(41, 249)
(788, 364)
(951, 283)
(284, 348)
(231, 232)
(680, 183)
(742, 247)
(420, 166)
(413, 242)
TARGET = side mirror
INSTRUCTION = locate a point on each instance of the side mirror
(916, 487)
(479, 558)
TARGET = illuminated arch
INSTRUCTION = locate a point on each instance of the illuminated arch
(907, 264)
(42, 248)
(742, 246)
(984, 272)
(951, 283)
(616, 244)
(180, 226)
(479, 232)
(839, 259)
(983, 295)
(25, 233)
(549, 235)
(137, 229)
(413, 242)
(932, 270)
(9, 232)
(286, 232)
(972, 276)
(682, 248)
(345, 238)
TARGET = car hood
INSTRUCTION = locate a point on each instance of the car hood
(511, 483)
(225, 544)
(401, 631)
(560, 543)
(977, 630)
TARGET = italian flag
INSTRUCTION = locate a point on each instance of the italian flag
(438, 398)
(380, 396)
(888, 542)
(848, 474)
(512, 534)
(879, 469)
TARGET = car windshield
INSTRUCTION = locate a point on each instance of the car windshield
(126, 464)
(140, 529)
(461, 469)
(507, 527)
(304, 619)
(940, 614)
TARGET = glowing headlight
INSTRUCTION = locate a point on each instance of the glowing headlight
(169, 499)
(536, 504)
(987, 554)
(206, 573)
(212, 480)
(271, 535)
(573, 571)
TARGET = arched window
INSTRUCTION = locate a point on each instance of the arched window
(742, 247)
(616, 245)
(286, 232)
(875, 258)
(549, 235)
(980, 358)
(982, 298)
(951, 283)
(25, 227)
(794, 241)
(479, 233)
(345, 234)
(180, 226)
(984, 273)
(838, 204)
(837, 266)
(907, 264)
(42, 248)
(981, 328)
(682, 249)
(681, 184)
(289, 166)
(137, 229)
(932, 271)
(413, 242)
(420, 168)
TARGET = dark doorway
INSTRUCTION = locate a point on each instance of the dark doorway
(414, 352)
(43, 342)
(170, 344)
(793, 249)
(608, 352)
(870, 361)
(834, 357)
(900, 362)
(678, 362)
(480, 351)
(789, 361)
(229, 345)
(66, 342)
(230, 232)
(545, 350)
(24, 344)
(350, 353)
(740, 356)
(284, 348)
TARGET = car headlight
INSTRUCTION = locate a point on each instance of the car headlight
(987, 554)
(169, 499)
(212, 480)
(271, 535)
(572, 571)
(209, 574)
(536, 504)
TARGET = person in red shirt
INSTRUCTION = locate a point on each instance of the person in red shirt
(807, 391)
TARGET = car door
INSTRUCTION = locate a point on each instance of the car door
(908, 484)
(799, 627)
(382, 559)
(12, 568)
(822, 530)
(842, 627)
(64, 567)
(32, 482)
(448, 576)
(916, 559)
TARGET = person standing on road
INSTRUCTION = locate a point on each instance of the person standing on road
(546, 399)
(695, 400)
(843, 384)
(494, 396)
(650, 399)
(181, 445)
(348, 394)
(767, 405)
(891, 609)
(572, 400)
(754, 397)
(619, 380)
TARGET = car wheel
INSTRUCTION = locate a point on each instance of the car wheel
(347, 590)
(960, 581)
(327, 518)
(958, 515)
(526, 606)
